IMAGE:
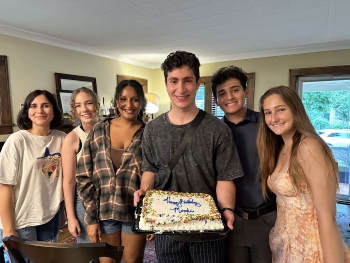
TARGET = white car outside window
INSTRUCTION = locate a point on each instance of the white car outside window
(336, 137)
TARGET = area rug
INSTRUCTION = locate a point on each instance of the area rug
(150, 254)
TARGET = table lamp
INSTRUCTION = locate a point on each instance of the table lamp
(152, 103)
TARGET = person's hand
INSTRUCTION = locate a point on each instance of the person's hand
(149, 237)
(10, 233)
(230, 218)
(7, 234)
(137, 196)
(74, 227)
(93, 232)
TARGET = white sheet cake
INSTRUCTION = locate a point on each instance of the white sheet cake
(175, 211)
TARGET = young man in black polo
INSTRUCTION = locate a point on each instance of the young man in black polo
(254, 217)
(209, 163)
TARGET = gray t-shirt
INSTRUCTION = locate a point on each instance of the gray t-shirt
(210, 156)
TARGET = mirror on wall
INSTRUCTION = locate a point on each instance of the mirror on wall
(65, 85)
(73, 82)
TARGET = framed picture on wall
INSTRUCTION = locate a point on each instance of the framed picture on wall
(63, 97)
(143, 82)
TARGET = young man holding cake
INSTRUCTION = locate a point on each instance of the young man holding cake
(249, 241)
(208, 165)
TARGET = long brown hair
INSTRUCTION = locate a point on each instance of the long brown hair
(269, 144)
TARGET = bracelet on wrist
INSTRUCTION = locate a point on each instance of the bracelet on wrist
(227, 208)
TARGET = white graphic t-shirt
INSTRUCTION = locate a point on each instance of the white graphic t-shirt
(32, 164)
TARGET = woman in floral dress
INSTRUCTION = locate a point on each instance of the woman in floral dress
(298, 166)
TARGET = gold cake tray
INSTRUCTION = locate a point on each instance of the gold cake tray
(137, 229)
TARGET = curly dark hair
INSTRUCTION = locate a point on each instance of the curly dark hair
(139, 91)
(23, 121)
(178, 59)
(225, 73)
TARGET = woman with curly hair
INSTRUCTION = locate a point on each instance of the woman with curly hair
(85, 108)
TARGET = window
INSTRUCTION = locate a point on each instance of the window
(325, 93)
(200, 102)
(200, 97)
(205, 98)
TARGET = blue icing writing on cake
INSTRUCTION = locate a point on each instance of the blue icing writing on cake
(179, 204)
(176, 211)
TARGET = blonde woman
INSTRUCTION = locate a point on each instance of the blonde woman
(298, 166)
(85, 108)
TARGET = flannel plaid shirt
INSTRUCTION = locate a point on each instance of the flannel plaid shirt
(105, 193)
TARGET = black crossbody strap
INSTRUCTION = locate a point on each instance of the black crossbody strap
(186, 139)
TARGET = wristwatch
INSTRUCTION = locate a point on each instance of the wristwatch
(227, 208)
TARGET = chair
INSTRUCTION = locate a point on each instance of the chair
(47, 252)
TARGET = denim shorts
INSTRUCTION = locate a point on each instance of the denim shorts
(114, 226)
(79, 212)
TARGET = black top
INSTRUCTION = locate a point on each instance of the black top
(248, 187)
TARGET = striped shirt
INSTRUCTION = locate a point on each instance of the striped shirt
(106, 193)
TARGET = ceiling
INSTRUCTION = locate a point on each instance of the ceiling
(144, 32)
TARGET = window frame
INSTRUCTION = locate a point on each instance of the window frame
(294, 74)
(329, 72)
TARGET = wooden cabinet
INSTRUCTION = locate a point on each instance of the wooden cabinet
(66, 128)
(6, 124)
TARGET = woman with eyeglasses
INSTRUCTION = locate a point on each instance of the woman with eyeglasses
(109, 172)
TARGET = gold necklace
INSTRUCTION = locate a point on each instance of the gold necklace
(284, 153)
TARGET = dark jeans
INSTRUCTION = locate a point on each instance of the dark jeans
(169, 250)
(47, 232)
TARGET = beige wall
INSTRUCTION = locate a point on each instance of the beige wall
(269, 72)
(32, 66)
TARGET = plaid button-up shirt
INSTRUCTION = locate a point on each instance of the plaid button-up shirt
(108, 194)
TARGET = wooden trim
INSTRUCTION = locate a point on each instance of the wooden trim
(303, 72)
(207, 93)
(143, 82)
(60, 76)
(251, 87)
(6, 123)
(6, 130)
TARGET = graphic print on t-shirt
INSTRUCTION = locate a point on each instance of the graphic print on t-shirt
(49, 163)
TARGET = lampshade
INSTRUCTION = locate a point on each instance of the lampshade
(152, 103)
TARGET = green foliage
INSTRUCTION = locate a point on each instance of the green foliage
(112, 103)
(319, 104)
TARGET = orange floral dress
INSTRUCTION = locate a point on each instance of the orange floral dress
(295, 237)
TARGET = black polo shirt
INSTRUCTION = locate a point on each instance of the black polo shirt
(248, 187)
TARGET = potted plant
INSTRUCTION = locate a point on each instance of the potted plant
(112, 106)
